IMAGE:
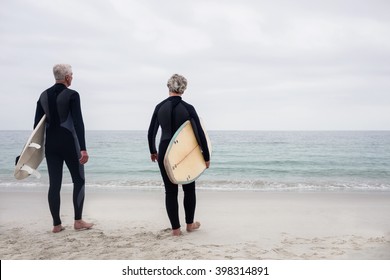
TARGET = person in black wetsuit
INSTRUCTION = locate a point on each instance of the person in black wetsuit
(170, 114)
(65, 142)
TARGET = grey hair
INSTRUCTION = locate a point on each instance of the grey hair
(177, 84)
(61, 70)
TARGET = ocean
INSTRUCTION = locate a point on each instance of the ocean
(241, 161)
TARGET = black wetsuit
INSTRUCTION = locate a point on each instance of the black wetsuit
(170, 114)
(65, 138)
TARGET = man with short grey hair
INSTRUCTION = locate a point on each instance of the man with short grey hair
(65, 142)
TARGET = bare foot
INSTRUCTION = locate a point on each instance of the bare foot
(176, 232)
(80, 225)
(193, 226)
(57, 229)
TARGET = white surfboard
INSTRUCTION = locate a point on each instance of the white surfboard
(183, 160)
(33, 153)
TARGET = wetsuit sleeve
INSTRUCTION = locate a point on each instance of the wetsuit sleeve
(75, 109)
(152, 132)
(38, 113)
(202, 135)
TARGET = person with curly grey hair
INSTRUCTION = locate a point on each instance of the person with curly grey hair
(177, 84)
(64, 142)
(170, 114)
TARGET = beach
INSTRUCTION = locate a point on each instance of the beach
(235, 225)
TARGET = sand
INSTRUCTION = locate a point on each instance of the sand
(133, 225)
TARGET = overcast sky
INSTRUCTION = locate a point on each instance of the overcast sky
(258, 65)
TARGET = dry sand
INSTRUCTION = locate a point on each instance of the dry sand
(133, 225)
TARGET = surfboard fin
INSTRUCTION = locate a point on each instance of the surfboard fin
(31, 171)
(35, 145)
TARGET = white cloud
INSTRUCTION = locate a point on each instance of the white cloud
(250, 64)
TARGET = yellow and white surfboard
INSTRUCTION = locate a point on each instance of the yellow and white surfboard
(184, 160)
(33, 153)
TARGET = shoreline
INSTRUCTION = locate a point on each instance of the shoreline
(235, 226)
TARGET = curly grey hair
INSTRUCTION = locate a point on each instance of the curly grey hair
(177, 84)
(61, 70)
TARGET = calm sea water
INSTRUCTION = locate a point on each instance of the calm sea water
(241, 160)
